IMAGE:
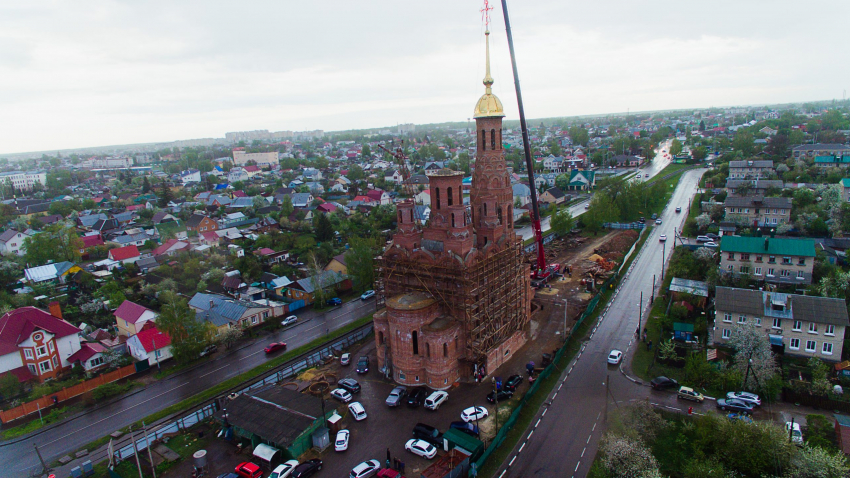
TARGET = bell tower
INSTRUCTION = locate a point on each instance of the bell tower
(491, 197)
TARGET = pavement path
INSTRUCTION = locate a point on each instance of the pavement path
(564, 436)
(17, 456)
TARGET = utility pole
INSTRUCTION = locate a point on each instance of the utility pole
(663, 254)
(640, 313)
(43, 465)
(791, 430)
(495, 398)
(150, 453)
(135, 451)
(566, 308)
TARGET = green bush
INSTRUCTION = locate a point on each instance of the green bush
(820, 432)
(110, 390)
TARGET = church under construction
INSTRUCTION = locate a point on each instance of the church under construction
(454, 297)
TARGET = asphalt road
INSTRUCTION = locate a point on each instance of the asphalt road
(17, 458)
(563, 438)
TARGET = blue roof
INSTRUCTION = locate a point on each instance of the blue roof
(220, 186)
(223, 308)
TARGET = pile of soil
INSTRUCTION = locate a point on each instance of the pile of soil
(619, 243)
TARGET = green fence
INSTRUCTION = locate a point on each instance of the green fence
(509, 423)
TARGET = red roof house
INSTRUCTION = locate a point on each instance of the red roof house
(150, 344)
(34, 343)
(90, 356)
(126, 254)
(130, 317)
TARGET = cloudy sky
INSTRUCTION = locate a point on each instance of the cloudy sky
(89, 73)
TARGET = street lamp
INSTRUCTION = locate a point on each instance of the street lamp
(663, 254)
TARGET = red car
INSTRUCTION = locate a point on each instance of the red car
(275, 346)
(248, 470)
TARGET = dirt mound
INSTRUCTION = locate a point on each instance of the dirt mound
(619, 243)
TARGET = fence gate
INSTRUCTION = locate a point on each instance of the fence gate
(142, 365)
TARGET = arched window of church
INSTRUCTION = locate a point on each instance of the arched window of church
(499, 212)
(415, 337)
(400, 220)
(492, 139)
(381, 338)
(485, 208)
(427, 350)
(438, 197)
(483, 139)
(453, 219)
(450, 197)
(500, 138)
(445, 350)
(411, 215)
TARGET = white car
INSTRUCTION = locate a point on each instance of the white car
(709, 244)
(614, 357)
(341, 394)
(421, 448)
(289, 320)
(638, 176)
(662, 238)
(658, 221)
(473, 413)
(345, 359)
(341, 443)
(365, 469)
(357, 411)
(367, 295)
(284, 470)
(796, 434)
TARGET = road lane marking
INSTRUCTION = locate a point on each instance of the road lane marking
(544, 412)
(538, 423)
(582, 452)
(553, 396)
(520, 448)
(512, 461)
(214, 371)
(588, 438)
(503, 473)
(577, 465)
(593, 429)
(529, 435)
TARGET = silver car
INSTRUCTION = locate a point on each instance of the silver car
(396, 396)
(745, 397)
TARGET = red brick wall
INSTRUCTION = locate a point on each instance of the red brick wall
(503, 353)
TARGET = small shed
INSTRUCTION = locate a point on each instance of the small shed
(453, 464)
(842, 432)
(696, 288)
(267, 454)
(454, 438)
(683, 332)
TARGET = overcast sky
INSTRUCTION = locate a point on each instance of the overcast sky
(89, 73)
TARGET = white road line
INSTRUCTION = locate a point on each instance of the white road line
(538, 423)
(512, 461)
(559, 386)
(214, 371)
(503, 473)
(582, 452)
(577, 465)
(553, 396)
(593, 429)
(544, 412)
(529, 435)
(588, 439)
(521, 447)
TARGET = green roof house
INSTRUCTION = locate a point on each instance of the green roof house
(771, 259)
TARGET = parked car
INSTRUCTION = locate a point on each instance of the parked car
(308, 468)
(367, 295)
(334, 301)
(747, 397)
(678, 209)
(710, 244)
(739, 417)
(341, 394)
(208, 350)
(614, 357)
(228, 475)
(341, 442)
(658, 221)
(363, 364)
(662, 238)
(473, 413)
(703, 239)
(689, 394)
(428, 433)
(284, 470)
(512, 383)
(796, 433)
(714, 237)
(662, 383)
(345, 359)
(734, 405)
(436, 399)
(289, 320)
(274, 347)
(468, 428)
(501, 395)
(421, 448)
(416, 397)
(350, 385)
(357, 411)
(396, 396)
(246, 469)
(366, 469)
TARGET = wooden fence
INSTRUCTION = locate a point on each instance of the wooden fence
(815, 401)
(45, 402)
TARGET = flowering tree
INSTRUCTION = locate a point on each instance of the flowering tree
(815, 462)
(625, 457)
(753, 348)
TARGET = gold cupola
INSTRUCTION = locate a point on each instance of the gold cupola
(488, 105)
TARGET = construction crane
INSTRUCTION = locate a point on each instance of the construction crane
(401, 160)
(542, 270)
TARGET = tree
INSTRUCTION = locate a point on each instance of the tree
(360, 262)
(324, 228)
(675, 147)
(562, 221)
(229, 337)
(753, 357)
(602, 209)
(701, 125)
(165, 195)
(188, 335)
(744, 142)
(146, 185)
(56, 243)
(286, 206)
(315, 271)
(625, 457)
(355, 173)
(366, 151)
(699, 153)
(10, 386)
(815, 462)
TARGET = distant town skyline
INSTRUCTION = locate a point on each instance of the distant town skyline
(106, 73)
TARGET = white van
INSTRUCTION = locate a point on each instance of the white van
(436, 399)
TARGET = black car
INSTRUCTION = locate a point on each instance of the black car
(416, 397)
(468, 428)
(308, 468)
(502, 396)
(512, 383)
(428, 433)
(662, 383)
(363, 364)
(350, 385)
(734, 405)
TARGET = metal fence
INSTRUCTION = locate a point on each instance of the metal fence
(624, 225)
(547, 238)
(285, 372)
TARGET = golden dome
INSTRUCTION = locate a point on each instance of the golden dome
(488, 105)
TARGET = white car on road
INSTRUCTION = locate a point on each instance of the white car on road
(614, 357)
(284, 470)
(357, 411)
(473, 413)
(341, 443)
(365, 469)
(289, 320)
(662, 238)
(341, 394)
(421, 448)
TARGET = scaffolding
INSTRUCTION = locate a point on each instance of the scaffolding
(490, 297)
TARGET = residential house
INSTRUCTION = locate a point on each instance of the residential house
(832, 161)
(150, 344)
(147, 264)
(89, 242)
(522, 194)
(137, 239)
(90, 356)
(161, 217)
(759, 211)
(337, 264)
(35, 344)
(772, 259)
(208, 238)
(201, 223)
(329, 281)
(821, 149)
(225, 312)
(171, 247)
(125, 255)
(393, 176)
(379, 196)
(12, 243)
(756, 187)
(757, 169)
(804, 325)
(190, 176)
(423, 197)
(237, 174)
(130, 317)
(302, 200)
(623, 161)
(553, 196)
(581, 180)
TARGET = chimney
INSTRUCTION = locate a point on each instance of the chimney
(212, 304)
(55, 309)
(766, 239)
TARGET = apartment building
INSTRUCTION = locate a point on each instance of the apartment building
(771, 259)
(759, 210)
(758, 169)
(23, 180)
(806, 326)
(241, 158)
(821, 149)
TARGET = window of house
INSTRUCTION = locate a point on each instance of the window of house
(777, 323)
(44, 366)
(745, 257)
(266, 314)
(50, 346)
(830, 330)
(32, 369)
(785, 273)
(813, 328)
(96, 361)
(786, 260)
(811, 345)
(745, 269)
(731, 256)
(798, 325)
(28, 353)
(827, 348)
(55, 361)
(758, 321)
(758, 271)
(730, 267)
(727, 318)
(794, 344)
(742, 319)
(801, 262)
(770, 272)
(254, 319)
(801, 275)
(40, 351)
(758, 258)
(158, 353)
(771, 259)
(400, 375)
(727, 333)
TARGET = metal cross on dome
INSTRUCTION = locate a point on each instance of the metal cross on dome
(485, 14)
